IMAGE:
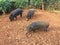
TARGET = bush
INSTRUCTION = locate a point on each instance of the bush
(7, 6)
(21, 4)
(1, 11)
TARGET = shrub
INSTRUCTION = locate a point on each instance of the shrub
(7, 6)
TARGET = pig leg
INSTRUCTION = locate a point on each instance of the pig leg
(21, 14)
(16, 17)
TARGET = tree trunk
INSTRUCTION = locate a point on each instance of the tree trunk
(42, 5)
(28, 2)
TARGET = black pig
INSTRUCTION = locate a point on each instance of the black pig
(38, 25)
(15, 13)
(29, 14)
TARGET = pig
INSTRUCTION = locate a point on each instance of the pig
(30, 14)
(15, 13)
(38, 25)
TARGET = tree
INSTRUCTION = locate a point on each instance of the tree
(28, 2)
(42, 4)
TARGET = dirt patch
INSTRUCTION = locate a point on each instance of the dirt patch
(13, 33)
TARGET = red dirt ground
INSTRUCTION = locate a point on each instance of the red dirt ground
(13, 33)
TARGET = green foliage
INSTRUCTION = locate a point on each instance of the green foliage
(8, 5)
(21, 4)
(52, 4)
(36, 4)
